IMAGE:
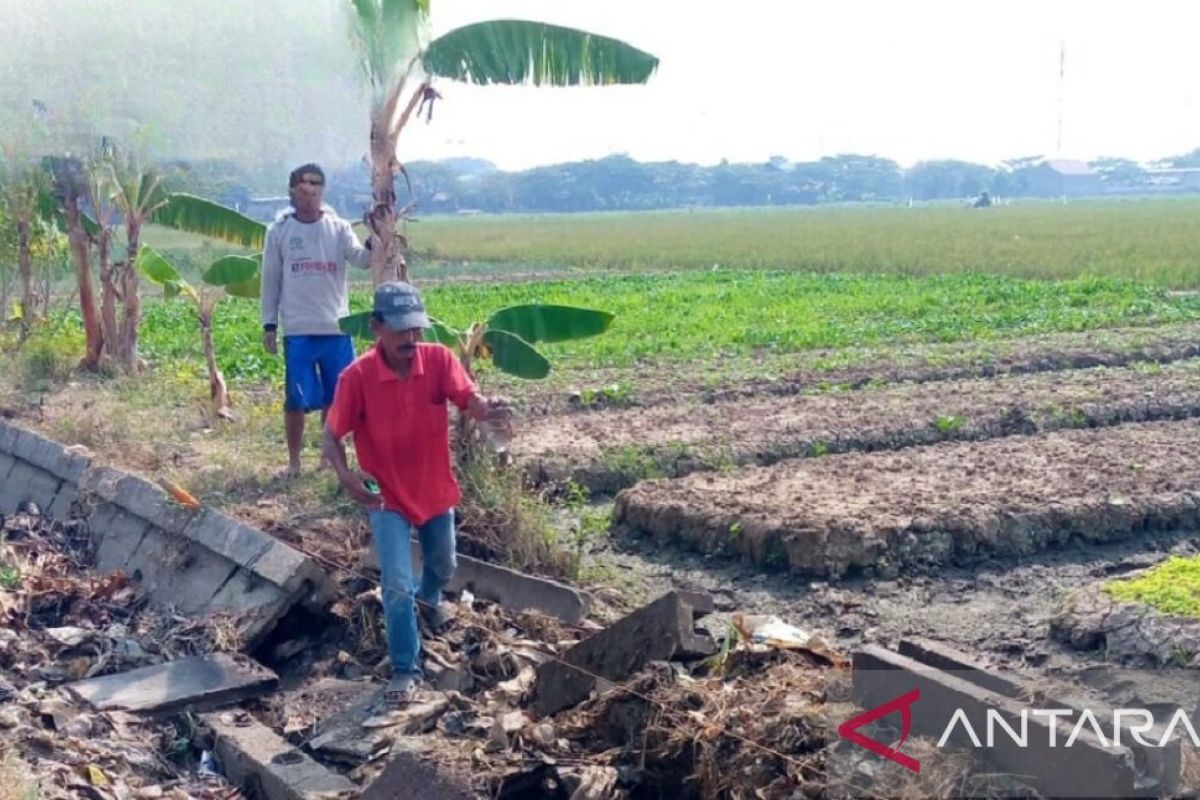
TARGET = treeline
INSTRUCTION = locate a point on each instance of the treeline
(621, 183)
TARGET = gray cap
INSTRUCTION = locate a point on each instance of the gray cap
(400, 306)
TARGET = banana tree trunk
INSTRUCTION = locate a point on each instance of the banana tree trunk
(108, 295)
(387, 256)
(218, 391)
(93, 331)
(25, 262)
(132, 319)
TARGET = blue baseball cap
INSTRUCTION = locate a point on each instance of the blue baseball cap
(399, 305)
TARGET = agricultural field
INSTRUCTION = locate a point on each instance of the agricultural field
(872, 422)
(1143, 239)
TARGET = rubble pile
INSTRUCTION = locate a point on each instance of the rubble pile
(746, 721)
(58, 623)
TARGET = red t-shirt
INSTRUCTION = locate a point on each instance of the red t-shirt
(401, 427)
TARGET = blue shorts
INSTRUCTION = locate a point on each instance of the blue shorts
(312, 365)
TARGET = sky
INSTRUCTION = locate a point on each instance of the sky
(909, 80)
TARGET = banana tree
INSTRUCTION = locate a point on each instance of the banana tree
(138, 195)
(22, 189)
(400, 67)
(234, 276)
(506, 339)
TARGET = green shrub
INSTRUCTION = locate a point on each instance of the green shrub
(50, 356)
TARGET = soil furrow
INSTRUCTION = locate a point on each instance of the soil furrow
(853, 368)
(610, 450)
(923, 508)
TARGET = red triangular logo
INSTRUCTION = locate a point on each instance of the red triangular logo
(903, 704)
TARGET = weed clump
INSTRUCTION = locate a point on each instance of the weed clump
(1172, 587)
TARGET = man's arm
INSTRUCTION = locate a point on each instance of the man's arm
(353, 481)
(352, 249)
(344, 416)
(272, 288)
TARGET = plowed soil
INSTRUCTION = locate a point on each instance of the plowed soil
(792, 373)
(609, 450)
(921, 508)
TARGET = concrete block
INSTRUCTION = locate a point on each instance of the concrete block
(295, 573)
(42, 489)
(151, 504)
(1161, 765)
(263, 764)
(517, 591)
(201, 682)
(6, 465)
(8, 436)
(226, 537)
(63, 503)
(661, 631)
(181, 575)
(101, 482)
(116, 535)
(48, 455)
(514, 590)
(12, 492)
(1090, 768)
(265, 603)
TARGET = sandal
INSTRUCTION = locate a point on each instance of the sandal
(401, 690)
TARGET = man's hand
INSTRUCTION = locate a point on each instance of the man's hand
(498, 411)
(270, 342)
(355, 484)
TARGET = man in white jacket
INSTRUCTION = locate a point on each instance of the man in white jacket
(304, 290)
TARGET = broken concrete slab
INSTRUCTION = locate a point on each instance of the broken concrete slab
(1090, 768)
(660, 631)
(1162, 764)
(196, 562)
(511, 589)
(198, 683)
(264, 765)
(408, 777)
(343, 738)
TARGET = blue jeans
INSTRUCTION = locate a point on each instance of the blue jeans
(392, 534)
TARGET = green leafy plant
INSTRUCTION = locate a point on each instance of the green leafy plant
(10, 578)
(507, 337)
(818, 449)
(235, 276)
(947, 424)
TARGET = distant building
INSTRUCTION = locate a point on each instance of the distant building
(1060, 178)
(1174, 179)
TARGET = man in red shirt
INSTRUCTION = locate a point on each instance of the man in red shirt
(393, 399)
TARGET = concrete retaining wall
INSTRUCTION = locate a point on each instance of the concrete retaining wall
(195, 561)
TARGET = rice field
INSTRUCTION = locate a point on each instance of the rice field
(1155, 240)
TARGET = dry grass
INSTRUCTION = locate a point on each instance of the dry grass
(16, 781)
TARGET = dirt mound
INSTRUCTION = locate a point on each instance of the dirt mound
(610, 450)
(929, 506)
